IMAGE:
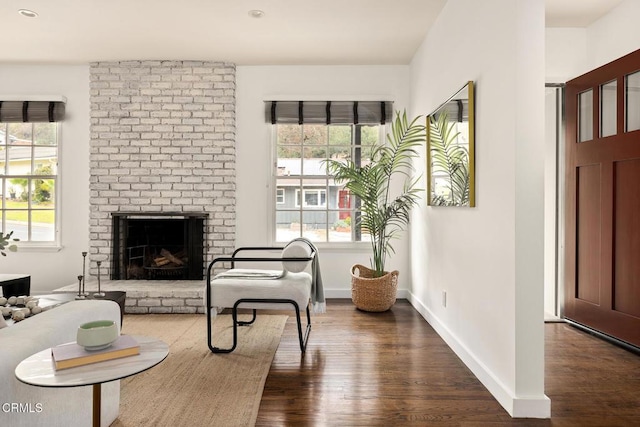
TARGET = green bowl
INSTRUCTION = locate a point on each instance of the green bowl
(97, 335)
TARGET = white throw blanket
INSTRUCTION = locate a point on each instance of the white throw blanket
(242, 273)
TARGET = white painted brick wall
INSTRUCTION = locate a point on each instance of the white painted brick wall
(162, 139)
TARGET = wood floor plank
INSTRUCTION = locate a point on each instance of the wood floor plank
(390, 369)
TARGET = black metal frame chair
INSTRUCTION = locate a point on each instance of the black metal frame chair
(233, 259)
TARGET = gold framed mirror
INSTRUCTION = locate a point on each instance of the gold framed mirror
(451, 151)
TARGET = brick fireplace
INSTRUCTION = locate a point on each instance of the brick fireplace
(162, 141)
(159, 246)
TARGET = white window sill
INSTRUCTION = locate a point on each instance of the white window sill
(359, 247)
(344, 247)
(38, 247)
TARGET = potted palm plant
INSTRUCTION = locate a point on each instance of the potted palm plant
(383, 213)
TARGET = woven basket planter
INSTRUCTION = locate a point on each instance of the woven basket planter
(370, 293)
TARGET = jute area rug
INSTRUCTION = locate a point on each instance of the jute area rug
(194, 387)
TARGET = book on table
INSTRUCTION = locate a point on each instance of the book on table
(71, 354)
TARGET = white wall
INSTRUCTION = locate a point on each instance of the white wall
(256, 84)
(571, 52)
(489, 259)
(565, 53)
(614, 35)
(50, 270)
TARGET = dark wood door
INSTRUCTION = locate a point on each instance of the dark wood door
(602, 287)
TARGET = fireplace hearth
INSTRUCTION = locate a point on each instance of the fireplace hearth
(158, 246)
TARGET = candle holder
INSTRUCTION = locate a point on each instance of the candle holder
(80, 294)
(99, 294)
(84, 273)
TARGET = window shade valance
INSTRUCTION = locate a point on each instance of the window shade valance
(457, 110)
(328, 112)
(31, 111)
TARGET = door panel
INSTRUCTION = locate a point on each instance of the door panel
(627, 238)
(589, 226)
(602, 231)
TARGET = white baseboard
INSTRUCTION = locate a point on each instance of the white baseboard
(517, 407)
(337, 293)
(346, 293)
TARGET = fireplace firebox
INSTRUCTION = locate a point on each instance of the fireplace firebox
(158, 246)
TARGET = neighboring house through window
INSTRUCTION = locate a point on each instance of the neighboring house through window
(29, 170)
(309, 202)
(312, 198)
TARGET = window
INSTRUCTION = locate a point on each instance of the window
(309, 203)
(312, 198)
(632, 102)
(585, 116)
(313, 204)
(29, 180)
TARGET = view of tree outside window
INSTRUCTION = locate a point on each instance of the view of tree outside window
(28, 174)
(308, 201)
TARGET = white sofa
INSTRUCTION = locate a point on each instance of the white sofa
(39, 406)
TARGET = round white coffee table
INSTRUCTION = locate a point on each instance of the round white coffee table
(38, 370)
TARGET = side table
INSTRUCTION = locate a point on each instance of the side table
(38, 370)
(15, 285)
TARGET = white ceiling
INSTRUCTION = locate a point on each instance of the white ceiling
(290, 32)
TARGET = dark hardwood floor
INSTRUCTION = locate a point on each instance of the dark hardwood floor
(392, 369)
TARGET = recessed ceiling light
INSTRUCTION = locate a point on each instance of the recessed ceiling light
(256, 13)
(28, 13)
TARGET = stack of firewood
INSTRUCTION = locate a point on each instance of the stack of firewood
(167, 259)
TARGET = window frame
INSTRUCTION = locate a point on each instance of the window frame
(354, 211)
(39, 245)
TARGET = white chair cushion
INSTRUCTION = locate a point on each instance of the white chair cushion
(296, 249)
(225, 291)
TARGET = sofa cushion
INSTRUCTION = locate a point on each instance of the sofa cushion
(228, 288)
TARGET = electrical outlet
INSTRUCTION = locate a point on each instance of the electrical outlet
(444, 298)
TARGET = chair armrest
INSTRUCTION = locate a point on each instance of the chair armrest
(234, 258)
(265, 248)
(257, 248)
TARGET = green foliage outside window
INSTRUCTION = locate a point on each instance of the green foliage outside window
(316, 138)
